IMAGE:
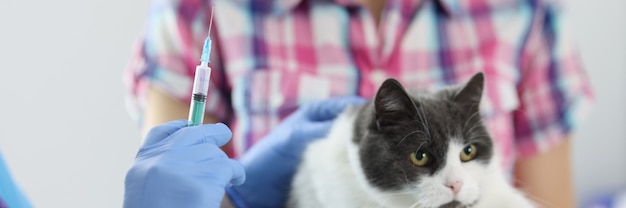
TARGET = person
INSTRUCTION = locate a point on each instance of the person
(271, 57)
(11, 194)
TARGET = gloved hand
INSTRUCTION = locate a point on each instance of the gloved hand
(181, 166)
(10, 193)
(271, 163)
(610, 199)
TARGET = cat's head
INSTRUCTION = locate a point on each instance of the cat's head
(427, 149)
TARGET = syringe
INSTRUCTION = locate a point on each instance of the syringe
(201, 82)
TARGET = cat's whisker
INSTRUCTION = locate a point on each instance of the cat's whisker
(419, 147)
(469, 119)
(481, 134)
(414, 205)
(405, 136)
(406, 178)
(422, 117)
(376, 205)
(373, 205)
(425, 120)
(387, 197)
(478, 122)
(423, 123)
(397, 193)
(477, 125)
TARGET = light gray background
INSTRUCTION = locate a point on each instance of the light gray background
(68, 140)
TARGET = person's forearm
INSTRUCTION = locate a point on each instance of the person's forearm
(547, 178)
(162, 108)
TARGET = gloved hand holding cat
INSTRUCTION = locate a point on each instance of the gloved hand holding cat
(271, 163)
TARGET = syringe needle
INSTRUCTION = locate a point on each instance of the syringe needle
(211, 20)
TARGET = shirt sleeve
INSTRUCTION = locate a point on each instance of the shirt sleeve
(166, 56)
(554, 92)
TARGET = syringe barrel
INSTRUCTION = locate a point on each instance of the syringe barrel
(201, 80)
(199, 93)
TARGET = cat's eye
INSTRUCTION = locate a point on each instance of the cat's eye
(468, 153)
(420, 158)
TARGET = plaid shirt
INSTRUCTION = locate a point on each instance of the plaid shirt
(271, 56)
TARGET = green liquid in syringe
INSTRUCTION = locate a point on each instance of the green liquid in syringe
(197, 111)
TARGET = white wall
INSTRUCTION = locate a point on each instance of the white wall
(66, 151)
(600, 146)
(64, 130)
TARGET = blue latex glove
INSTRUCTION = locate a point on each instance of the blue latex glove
(271, 163)
(10, 194)
(615, 199)
(181, 166)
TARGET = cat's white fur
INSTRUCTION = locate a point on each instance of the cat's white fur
(330, 175)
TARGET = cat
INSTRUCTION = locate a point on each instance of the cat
(399, 150)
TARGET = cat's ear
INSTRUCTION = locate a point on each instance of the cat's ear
(472, 92)
(393, 105)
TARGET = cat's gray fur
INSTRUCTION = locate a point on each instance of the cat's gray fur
(395, 124)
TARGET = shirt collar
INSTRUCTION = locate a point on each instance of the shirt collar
(450, 7)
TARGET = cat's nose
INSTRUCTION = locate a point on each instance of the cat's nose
(455, 185)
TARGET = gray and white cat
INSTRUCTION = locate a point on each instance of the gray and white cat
(401, 150)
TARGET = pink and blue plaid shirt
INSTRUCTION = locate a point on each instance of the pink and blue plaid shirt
(272, 56)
